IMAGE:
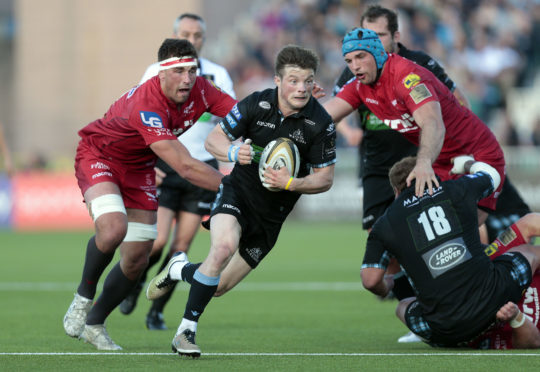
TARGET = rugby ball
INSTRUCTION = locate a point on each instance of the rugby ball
(281, 152)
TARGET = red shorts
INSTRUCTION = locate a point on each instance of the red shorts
(495, 158)
(137, 185)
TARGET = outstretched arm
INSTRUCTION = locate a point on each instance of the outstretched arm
(432, 131)
(174, 153)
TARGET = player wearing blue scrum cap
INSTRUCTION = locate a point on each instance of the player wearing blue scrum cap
(411, 100)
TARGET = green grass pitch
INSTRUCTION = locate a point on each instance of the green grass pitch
(303, 309)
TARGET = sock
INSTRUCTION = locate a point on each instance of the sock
(402, 287)
(187, 324)
(115, 289)
(188, 271)
(94, 265)
(201, 292)
(509, 238)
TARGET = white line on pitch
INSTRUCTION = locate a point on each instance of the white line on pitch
(477, 354)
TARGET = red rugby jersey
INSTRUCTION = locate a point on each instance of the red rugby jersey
(405, 86)
(144, 115)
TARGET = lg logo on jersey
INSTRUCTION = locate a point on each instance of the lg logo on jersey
(151, 119)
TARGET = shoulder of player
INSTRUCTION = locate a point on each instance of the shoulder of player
(416, 56)
(263, 101)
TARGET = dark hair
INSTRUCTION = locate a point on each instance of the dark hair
(193, 16)
(374, 12)
(400, 171)
(296, 56)
(176, 48)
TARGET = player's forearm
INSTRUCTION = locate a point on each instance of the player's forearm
(200, 174)
(431, 141)
(525, 336)
(317, 182)
(218, 145)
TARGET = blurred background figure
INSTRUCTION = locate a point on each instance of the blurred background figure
(5, 153)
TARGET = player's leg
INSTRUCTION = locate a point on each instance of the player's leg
(165, 217)
(123, 276)
(110, 220)
(186, 228)
(225, 232)
(236, 270)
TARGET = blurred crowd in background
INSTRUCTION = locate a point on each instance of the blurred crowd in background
(488, 47)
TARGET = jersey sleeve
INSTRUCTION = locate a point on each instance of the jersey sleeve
(478, 185)
(322, 152)
(415, 88)
(236, 122)
(376, 255)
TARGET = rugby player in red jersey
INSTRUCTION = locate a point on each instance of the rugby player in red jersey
(114, 166)
(410, 99)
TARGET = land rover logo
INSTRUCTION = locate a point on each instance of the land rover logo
(446, 256)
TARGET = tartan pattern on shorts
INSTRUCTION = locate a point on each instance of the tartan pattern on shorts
(416, 322)
(520, 269)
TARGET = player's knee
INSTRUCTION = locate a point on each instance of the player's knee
(369, 280)
(221, 253)
(111, 235)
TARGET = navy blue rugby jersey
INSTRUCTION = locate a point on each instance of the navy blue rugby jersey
(258, 118)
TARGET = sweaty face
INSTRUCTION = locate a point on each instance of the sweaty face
(294, 89)
(362, 64)
(380, 26)
(176, 83)
(193, 31)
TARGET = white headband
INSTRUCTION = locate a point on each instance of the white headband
(174, 62)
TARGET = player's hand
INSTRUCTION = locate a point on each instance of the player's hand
(507, 312)
(424, 175)
(245, 153)
(318, 91)
(459, 164)
(160, 175)
(276, 178)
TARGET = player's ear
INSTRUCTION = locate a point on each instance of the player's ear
(397, 36)
(277, 80)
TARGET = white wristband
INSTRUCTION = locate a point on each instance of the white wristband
(517, 323)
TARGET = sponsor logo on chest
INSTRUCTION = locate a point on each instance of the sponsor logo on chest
(446, 256)
(405, 124)
(266, 124)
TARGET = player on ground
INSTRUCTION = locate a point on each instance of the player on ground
(114, 167)
(179, 200)
(435, 239)
(411, 100)
(246, 217)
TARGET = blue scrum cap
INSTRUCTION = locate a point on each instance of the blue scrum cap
(367, 40)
